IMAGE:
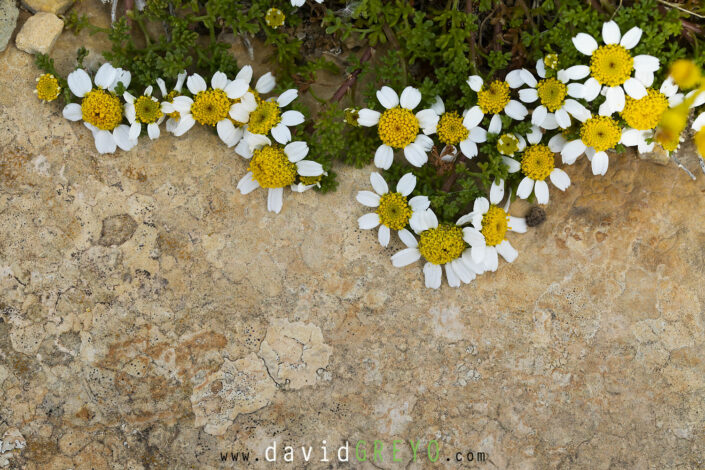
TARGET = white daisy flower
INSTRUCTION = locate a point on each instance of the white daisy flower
(597, 135)
(274, 167)
(643, 115)
(451, 131)
(493, 99)
(488, 236)
(263, 117)
(442, 246)
(168, 97)
(394, 210)
(555, 107)
(210, 106)
(145, 109)
(612, 65)
(398, 127)
(100, 109)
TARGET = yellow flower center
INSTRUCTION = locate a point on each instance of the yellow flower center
(274, 18)
(685, 73)
(442, 244)
(537, 162)
(645, 113)
(265, 117)
(493, 98)
(551, 61)
(611, 65)
(700, 142)
(307, 180)
(600, 133)
(394, 211)
(552, 93)
(210, 107)
(102, 109)
(271, 167)
(48, 88)
(451, 129)
(170, 98)
(351, 116)
(507, 144)
(147, 109)
(495, 224)
(398, 127)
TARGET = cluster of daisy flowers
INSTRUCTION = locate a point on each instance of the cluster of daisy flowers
(591, 109)
(258, 128)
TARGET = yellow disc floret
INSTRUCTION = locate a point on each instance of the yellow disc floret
(600, 133)
(537, 162)
(645, 113)
(442, 244)
(398, 127)
(495, 223)
(271, 167)
(450, 129)
(274, 18)
(611, 65)
(685, 73)
(48, 88)
(147, 109)
(507, 144)
(493, 98)
(308, 180)
(265, 117)
(551, 61)
(552, 93)
(394, 211)
(102, 109)
(210, 107)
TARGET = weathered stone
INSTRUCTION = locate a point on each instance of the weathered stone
(39, 33)
(8, 21)
(117, 229)
(56, 7)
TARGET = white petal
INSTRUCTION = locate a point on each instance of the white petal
(410, 98)
(669, 87)
(634, 88)
(646, 77)
(182, 104)
(105, 76)
(631, 38)
(576, 109)
(481, 205)
(104, 142)
(572, 150)
(541, 192)
(646, 63)
(556, 143)
(79, 83)
(611, 33)
(247, 184)
(541, 68)
(528, 95)
(275, 198)
(287, 97)
(220, 81)
(534, 135)
(517, 224)
(387, 97)
(525, 188)
(453, 279)
(153, 130)
(265, 84)
(631, 137)
(508, 252)
(406, 184)
(428, 120)
(415, 154)
(577, 72)
(591, 89)
(699, 122)
(281, 133)
(121, 134)
(296, 151)
(585, 43)
(407, 238)
(528, 78)
(419, 203)
(473, 236)
(576, 90)
(309, 168)
(405, 257)
(292, 118)
(135, 130)
(462, 270)
(368, 198)
(560, 179)
(475, 82)
(513, 165)
(516, 110)
(384, 156)
(195, 84)
(473, 117)
(538, 116)
(495, 126)
(367, 117)
(235, 89)
(256, 140)
(562, 118)
(600, 162)
(490, 260)
(615, 99)
(245, 74)
(425, 142)
(378, 183)
(368, 221)
(514, 78)
(438, 107)
(497, 191)
(433, 274)
(72, 112)
(469, 148)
